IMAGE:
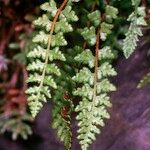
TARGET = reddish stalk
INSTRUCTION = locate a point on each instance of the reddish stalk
(49, 41)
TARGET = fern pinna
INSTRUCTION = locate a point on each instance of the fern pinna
(94, 84)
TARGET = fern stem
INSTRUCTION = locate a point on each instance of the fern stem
(96, 66)
(49, 42)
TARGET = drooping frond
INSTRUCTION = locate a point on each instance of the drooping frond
(94, 86)
(43, 56)
(46, 75)
(136, 19)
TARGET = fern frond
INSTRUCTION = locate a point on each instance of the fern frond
(62, 122)
(46, 76)
(137, 19)
(46, 51)
(94, 86)
(63, 127)
(61, 112)
(18, 124)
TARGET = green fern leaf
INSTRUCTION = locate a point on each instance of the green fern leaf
(136, 19)
(145, 80)
(92, 109)
(44, 71)
(95, 17)
(89, 35)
